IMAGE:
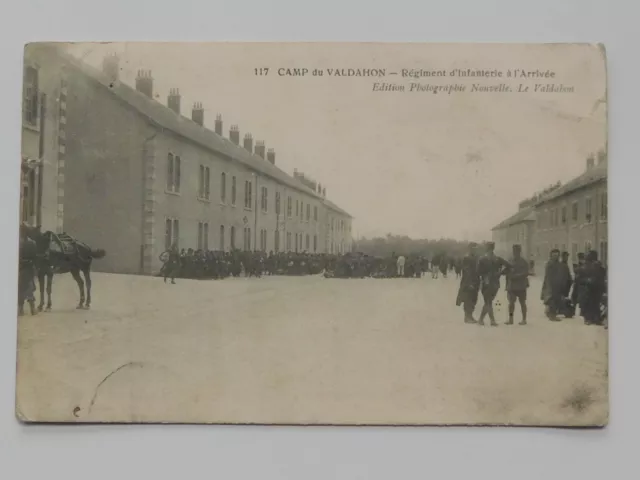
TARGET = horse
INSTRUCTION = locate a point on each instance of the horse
(58, 254)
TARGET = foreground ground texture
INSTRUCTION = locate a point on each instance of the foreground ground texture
(302, 350)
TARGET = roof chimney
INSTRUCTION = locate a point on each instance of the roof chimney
(319, 189)
(173, 100)
(197, 113)
(218, 127)
(271, 156)
(260, 149)
(324, 192)
(144, 83)
(248, 142)
(111, 67)
(234, 134)
(590, 162)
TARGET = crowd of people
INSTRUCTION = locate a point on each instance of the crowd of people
(561, 291)
(200, 264)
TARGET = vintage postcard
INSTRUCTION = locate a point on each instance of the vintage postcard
(314, 233)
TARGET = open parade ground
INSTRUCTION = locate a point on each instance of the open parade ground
(302, 350)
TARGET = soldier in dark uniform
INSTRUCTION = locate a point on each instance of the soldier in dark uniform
(469, 284)
(556, 276)
(517, 284)
(577, 272)
(490, 268)
(172, 265)
(26, 273)
(593, 280)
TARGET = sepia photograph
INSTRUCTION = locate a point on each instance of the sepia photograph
(313, 234)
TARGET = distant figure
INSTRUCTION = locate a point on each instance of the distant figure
(400, 265)
(577, 281)
(172, 264)
(469, 284)
(517, 284)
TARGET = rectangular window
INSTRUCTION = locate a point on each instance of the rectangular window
(587, 246)
(604, 205)
(564, 215)
(204, 179)
(315, 214)
(296, 240)
(276, 241)
(300, 240)
(232, 238)
(172, 232)
(574, 211)
(173, 173)
(263, 198)
(308, 212)
(233, 190)
(247, 238)
(263, 240)
(30, 107)
(289, 208)
(203, 236)
(168, 236)
(248, 194)
(307, 243)
(587, 210)
(315, 243)
(288, 241)
(223, 187)
(221, 238)
(297, 209)
(170, 172)
(277, 203)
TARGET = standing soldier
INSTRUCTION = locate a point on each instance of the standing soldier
(26, 273)
(469, 284)
(490, 267)
(577, 282)
(554, 285)
(172, 264)
(517, 284)
(593, 279)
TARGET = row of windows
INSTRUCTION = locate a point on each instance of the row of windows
(172, 238)
(556, 217)
(303, 211)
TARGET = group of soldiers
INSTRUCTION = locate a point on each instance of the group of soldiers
(561, 293)
(200, 264)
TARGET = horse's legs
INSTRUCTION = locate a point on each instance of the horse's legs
(41, 275)
(87, 278)
(76, 276)
(49, 283)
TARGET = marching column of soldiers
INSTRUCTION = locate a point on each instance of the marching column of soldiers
(561, 293)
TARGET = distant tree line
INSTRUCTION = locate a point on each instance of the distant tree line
(401, 244)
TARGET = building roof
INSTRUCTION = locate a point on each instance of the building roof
(165, 118)
(524, 215)
(593, 175)
(334, 207)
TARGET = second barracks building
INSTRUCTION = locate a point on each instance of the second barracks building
(572, 217)
(137, 176)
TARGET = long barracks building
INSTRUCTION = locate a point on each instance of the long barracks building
(572, 217)
(134, 176)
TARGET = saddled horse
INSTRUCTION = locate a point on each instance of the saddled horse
(58, 254)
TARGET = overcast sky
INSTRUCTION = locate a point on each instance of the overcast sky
(418, 164)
